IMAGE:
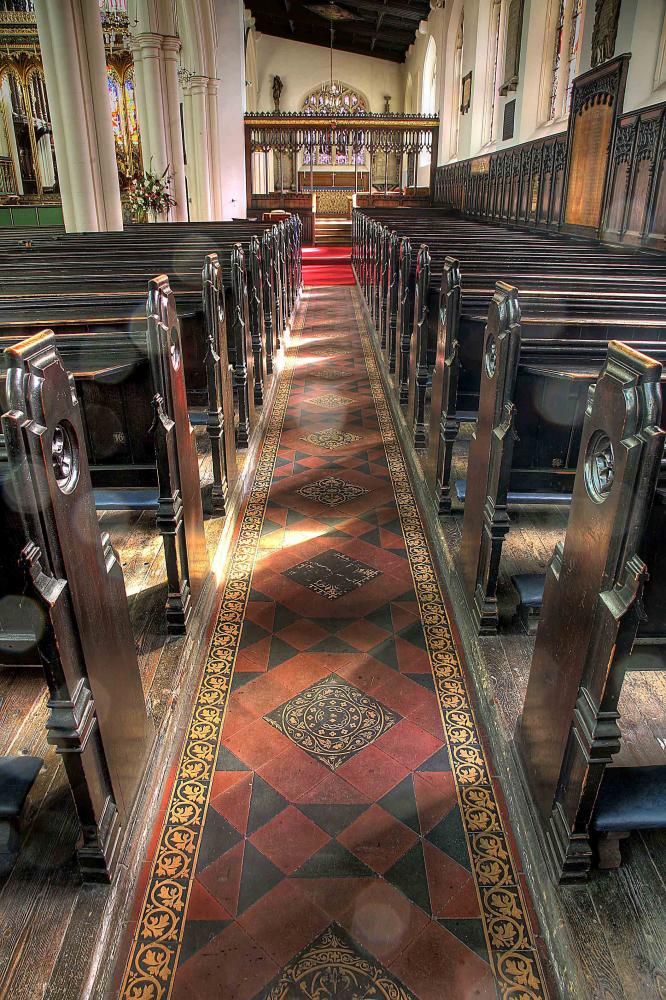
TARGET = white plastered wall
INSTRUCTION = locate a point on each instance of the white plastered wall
(302, 67)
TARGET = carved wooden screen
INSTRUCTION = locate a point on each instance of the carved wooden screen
(596, 101)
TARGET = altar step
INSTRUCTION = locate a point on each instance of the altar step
(332, 232)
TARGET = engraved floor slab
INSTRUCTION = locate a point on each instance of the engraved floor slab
(332, 574)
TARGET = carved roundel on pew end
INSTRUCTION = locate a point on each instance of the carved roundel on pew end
(65, 456)
(174, 347)
(599, 467)
(490, 356)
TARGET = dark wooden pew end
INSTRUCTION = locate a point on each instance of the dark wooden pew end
(17, 776)
(630, 798)
(530, 593)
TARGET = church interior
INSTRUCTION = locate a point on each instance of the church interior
(332, 491)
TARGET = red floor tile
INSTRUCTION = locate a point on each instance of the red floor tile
(289, 839)
(378, 839)
(373, 772)
(284, 921)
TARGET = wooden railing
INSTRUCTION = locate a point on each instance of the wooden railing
(522, 184)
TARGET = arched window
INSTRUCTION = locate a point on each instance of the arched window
(429, 87)
(563, 50)
(334, 97)
(122, 101)
(494, 69)
(456, 88)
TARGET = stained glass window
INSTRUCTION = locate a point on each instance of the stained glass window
(566, 52)
(575, 31)
(334, 97)
(130, 106)
(115, 101)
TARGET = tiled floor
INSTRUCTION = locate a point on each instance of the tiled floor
(325, 854)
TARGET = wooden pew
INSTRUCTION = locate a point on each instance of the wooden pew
(159, 436)
(53, 558)
(525, 444)
(603, 602)
(179, 507)
(150, 253)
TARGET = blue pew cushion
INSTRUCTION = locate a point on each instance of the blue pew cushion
(548, 497)
(530, 588)
(126, 498)
(631, 798)
(198, 418)
(17, 776)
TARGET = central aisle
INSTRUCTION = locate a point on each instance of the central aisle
(321, 842)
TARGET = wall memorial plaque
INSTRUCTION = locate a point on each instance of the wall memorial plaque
(514, 32)
(604, 33)
(596, 101)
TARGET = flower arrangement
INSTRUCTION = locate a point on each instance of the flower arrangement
(149, 195)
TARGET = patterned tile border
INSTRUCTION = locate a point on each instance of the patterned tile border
(510, 939)
(155, 947)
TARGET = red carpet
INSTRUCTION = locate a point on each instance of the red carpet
(327, 266)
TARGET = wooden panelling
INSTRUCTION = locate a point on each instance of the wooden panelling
(636, 202)
(522, 184)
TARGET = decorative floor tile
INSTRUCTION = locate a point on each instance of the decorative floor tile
(333, 720)
(332, 491)
(332, 574)
(332, 438)
(334, 967)
(330, 401)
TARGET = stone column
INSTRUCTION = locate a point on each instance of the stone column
(230, 71)
(70, 38)
(147, 52)
(216, 166)
(198, 155)
(171, 48)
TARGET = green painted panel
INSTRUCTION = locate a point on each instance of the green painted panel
(6, 218)
(24, 215)
(50, 215)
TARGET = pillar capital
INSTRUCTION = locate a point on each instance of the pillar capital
(198, 85)
(171, 44)
(140, 44)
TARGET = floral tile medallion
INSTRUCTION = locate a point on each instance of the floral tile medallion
(332, 720)
(332, 438)
(332, 491)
